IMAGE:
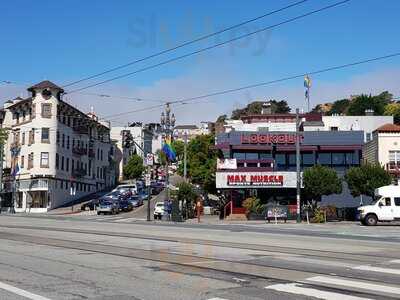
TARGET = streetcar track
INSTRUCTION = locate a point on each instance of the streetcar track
(187, 260)
(362, 258)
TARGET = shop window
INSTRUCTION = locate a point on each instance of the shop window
(356, 158)
(325, 159)
(292, 159)
(45, 135)
(280, 160)
(338, 158)
(308, 159)
(397, 201)
(251, 155)
(239, 155)
(265, 155)
(240, 165)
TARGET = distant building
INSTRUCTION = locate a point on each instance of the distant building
(142, 143)
(190, 131)
(367, 123)
(56, 152)
(384, 148)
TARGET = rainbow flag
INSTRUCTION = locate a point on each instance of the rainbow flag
(169, 150)
(307, 82)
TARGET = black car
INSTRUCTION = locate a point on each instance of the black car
(125, 205)
(135, 200)
(90, 205)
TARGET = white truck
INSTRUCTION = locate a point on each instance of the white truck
(385, 208)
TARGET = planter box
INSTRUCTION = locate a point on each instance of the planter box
(254, 217)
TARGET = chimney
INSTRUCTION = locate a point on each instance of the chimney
(266, 108)
(369, 112)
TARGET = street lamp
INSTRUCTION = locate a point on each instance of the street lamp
(167, 124)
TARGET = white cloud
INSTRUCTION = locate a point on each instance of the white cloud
(203, 81)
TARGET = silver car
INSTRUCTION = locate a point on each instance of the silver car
(108, 207)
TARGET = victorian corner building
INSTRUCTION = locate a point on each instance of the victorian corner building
(259, 153)
(54, 153)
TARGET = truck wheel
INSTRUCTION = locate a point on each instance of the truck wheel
(371, 220)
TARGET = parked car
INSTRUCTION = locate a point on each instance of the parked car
(108, 206)
(124, 188)
(135, 200)
(158, 210)
(90, 205)
(385, 208)
(125, 205)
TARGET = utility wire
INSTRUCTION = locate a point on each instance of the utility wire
(185, 100)
(210, 47)
(184, 44)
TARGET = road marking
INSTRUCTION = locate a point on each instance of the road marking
(378, 269)
(395, 261)
(295, 288)
(20, 292)
(355, 284)
(217, 299)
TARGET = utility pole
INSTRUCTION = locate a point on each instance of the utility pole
(148, 192)
(1, 175)
(185, 157)
(298, 178)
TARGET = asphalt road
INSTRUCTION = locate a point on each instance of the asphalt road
(70, 257)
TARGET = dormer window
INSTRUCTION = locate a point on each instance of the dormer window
(46, 94)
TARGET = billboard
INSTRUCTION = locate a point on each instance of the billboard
(255, 180)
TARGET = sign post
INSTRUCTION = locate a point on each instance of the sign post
(298, 178)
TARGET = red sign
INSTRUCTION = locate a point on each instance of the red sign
(257, 138)
(264, 180)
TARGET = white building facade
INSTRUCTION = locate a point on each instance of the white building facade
(142, 144)
(61, 154)
(384, 148)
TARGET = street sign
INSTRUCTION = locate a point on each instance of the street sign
(148, 179)
(149, 159)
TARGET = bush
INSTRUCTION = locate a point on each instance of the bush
(319, 216)
(253, 205)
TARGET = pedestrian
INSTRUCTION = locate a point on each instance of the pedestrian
(198, 208)
(169, 209)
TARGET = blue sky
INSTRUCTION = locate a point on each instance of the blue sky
(63, 41)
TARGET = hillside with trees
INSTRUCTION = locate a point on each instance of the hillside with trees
(381, 104)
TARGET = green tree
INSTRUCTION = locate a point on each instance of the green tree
(393, 109)
(221, 118)
(3, 136)
(134, 168)
(280, 107)
(187, 193)
(162, 158)
(202, 162)
(179, 147)
(339, 107)
(360, 104)
(319, 181)
(365, 179)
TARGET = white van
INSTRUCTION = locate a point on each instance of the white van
(123, 188)
(385, 208)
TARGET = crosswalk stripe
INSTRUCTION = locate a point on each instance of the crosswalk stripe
(127, 220)
(378, 269)
(355, 284)
(294, 288)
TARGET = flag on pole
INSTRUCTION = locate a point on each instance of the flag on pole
(15, 170)
(307, 82)
(169, 150)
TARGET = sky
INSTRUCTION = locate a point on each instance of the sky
(64, 41)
